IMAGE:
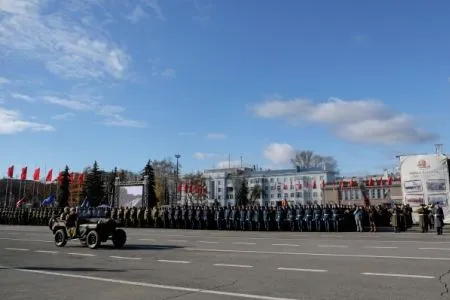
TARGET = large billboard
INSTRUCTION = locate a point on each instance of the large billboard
(425, 180)
(131, 196)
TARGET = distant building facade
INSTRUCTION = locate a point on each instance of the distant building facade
(379, 189)
(296, 186)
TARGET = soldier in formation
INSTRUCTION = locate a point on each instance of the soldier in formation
(307, 218)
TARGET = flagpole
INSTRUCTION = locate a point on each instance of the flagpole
(6, 193)
(20, 188)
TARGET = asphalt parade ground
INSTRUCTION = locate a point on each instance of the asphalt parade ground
(198, 265)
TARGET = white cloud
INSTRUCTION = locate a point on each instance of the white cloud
(215, 136)
(107, 110)
(23, 97)
(11, 122)
(119, 121)
(154, 5)
(204, 155)
(65, 116)
(232, 164)
(367, 121)
(70, 103)
(4, 81)
(137, 14)
(168, 73)
(66, 46)
(279, 154)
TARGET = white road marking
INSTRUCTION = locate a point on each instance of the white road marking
(150, 285)
(318, 254)
(26, 240)
(174, 261)
(287, 245)
(123, 257)
(81, 254)
(177, 241)
(398, 275)
(444, 249)
(17, 249)
(303, 270)
(233, 266)
(46, 251)
(243, 243)
(379, 247)
(183, 235)
(149, 240)
(332, 246)
(207, 242)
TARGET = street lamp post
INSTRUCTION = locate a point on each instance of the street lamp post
(177, 156)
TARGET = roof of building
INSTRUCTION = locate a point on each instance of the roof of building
(268, 172)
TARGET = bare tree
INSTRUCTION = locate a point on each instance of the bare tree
(308, 159)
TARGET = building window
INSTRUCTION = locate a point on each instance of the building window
(279, 196)
(230, 196)
(219, 182)
(357, 195)
(286, 195)
(272, 195)
(271, 179)
(219, 197)
(292, 195)
(299, 195)
(315, 194)
(378, 193)
(219, 190)
(272, 188)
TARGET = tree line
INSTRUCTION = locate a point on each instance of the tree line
(98, 185)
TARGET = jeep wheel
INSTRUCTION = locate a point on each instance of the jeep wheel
(92, 239)
(60, 238)
(83, 242)
(119, 238)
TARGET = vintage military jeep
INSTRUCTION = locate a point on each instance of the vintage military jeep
(91, 232)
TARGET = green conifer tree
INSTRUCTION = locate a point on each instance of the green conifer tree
(242, 194)
(150, 172)
(93, 187)
(64, 188)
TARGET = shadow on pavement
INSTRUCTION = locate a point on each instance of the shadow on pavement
(74, 269)
(142, 247)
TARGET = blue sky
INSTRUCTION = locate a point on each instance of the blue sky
(125, 81)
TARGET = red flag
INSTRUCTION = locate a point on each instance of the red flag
(371, 182)
(179, 187)
(71, 177)
(37, 174)
(20, 202)
(191, 188)
(343, 184)
(380, 183)
(307, 184)
(49, 176)
(285, 186)
(80, 179)
(60, 177)
(10, 172)
(390, 181)
(314, 186)
(23, 175)
(185, 188)
(299, 185)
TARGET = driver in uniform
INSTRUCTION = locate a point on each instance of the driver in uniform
(71, 223)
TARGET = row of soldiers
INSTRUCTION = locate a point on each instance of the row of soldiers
(293, 218)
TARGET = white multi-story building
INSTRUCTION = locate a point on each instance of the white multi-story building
(296, 186)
